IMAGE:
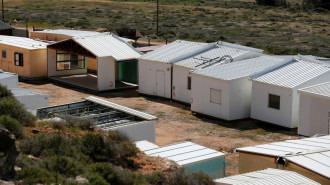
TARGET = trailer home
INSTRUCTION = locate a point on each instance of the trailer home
(224, 91)
(269, 176)
(274, 92)
(221, 53)
(314, 110)
(8, 80)
(309, 157)
(23, 56)
(156, 67)
(114, 62)
(106, 116)
(190, 156)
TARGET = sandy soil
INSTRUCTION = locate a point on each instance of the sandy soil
(177, 123)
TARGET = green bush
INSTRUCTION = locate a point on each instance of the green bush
(32, 176)
(181, 177)
(63, 165)
(10, 106)
(83, 124)
(4, 92)
(12, 125)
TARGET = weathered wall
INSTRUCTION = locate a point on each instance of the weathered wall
(180, 84)
(145, 130)
(106, 73)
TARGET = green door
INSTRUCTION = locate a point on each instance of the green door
(128, 71)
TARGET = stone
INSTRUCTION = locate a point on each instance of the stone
(8, 154)
(81, 180)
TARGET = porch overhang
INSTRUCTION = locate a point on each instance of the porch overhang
(70, 46)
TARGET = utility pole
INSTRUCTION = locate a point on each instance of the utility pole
(157, 16)
(3, 12)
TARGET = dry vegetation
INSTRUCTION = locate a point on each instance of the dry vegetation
(278, 30)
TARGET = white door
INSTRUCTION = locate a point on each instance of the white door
(160, 83)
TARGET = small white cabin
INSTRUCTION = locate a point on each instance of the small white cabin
(314, 110)
(274, 92)
(224, 91)
(220, 53)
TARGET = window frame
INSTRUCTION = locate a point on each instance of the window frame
(65, 61)
(20, 59)
(219, 103)
(270, 105)
(189, 82)
(4, 54)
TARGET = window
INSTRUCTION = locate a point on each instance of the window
(215, 96)
(4, 54)
(189, 83)
(18, 59)
(274, 101)
(68, 61)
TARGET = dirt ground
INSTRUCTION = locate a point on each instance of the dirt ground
(177, 123)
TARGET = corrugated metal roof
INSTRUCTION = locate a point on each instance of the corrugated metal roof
(319, 89)
(267, 177)
(145, 145)
(108, 45)
(4, 74)
(24, 92)
(217, 51)
(292, 74)
(120, 108)
(184, 153)
(311, 153)
(176, 50)
(241, 68)
(22, 42)
(79, 33)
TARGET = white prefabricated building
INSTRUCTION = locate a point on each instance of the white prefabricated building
(309, 157)
(32, 100)
(221, 53)
(224, 91)
(156, 67)
(190, 156)
(274, 92)
(314, 110)
(69, 60)
(8, 80)
(269, 176)
(107, 116)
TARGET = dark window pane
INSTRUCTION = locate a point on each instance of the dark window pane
(274, 101)
(189, 83)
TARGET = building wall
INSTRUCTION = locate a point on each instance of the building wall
(10, 82)
(91, 64)
(259, 104)
(38, 63)
(7, 64)
(148, 76)
(106, 73)
(252, 162)
(200, 95)
(51, 66)
(34, 102)
(48, 36)
(313, 115)
(145, 130)
(215, 168)
(240, 98)
(180, 84)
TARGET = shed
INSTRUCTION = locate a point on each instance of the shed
(274, 92)
(23, 56)
(156, 67)
(224, 91)
(62, 34)
(314, 110)
(113, 60)
(193, 157)
(32, 100)
(309, 157)
(268, 176)
(107, 116)
(9, 80)
(221, 53)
